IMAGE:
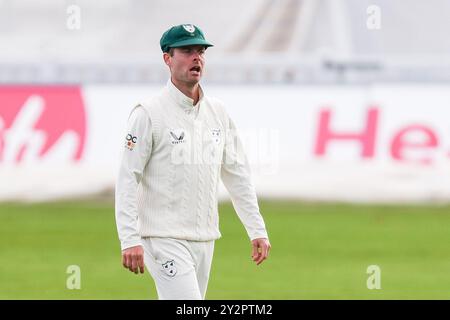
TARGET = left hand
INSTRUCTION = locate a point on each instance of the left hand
(261, 247)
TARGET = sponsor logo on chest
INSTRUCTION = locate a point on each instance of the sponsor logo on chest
(177, 136)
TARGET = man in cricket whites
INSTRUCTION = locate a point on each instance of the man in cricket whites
(177, 146)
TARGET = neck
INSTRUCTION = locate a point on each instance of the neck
(190, 90)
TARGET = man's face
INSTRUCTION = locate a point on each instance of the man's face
(186, 64)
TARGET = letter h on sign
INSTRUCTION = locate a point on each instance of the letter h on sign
(366, 137)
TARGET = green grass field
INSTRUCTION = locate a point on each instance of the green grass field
(319, 251)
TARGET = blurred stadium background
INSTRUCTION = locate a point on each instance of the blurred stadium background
(344, 109)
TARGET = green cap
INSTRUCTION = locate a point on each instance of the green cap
(183, 35)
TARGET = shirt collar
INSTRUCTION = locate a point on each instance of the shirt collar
(184, 101)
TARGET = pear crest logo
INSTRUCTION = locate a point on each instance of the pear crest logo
(169, 268)
(215, 133)
(189, 28)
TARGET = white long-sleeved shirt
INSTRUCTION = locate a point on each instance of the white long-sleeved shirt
(174, 154)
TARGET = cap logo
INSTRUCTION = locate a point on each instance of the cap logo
(189, 28)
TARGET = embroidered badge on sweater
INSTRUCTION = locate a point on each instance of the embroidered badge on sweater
(215, 135)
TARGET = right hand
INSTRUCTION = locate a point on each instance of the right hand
(133, 259)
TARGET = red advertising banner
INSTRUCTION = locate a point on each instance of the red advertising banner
(37, 121)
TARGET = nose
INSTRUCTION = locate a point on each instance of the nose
(197, 55)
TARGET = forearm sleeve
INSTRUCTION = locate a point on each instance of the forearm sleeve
(137, 146)
(235, 174)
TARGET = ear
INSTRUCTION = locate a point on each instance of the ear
(167, 58)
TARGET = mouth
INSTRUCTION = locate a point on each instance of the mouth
(195, 70)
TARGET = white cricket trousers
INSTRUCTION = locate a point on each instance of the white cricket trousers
(180, 268)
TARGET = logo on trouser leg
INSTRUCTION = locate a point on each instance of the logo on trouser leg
(169, 268)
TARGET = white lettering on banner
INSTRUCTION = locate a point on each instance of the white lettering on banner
(22, 142)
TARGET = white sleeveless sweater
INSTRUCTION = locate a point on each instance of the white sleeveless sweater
(174, 155)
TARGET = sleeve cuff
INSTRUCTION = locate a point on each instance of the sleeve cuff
(130, 243)
(259, 235)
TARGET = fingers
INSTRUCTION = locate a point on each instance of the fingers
(124, 260)
(141, 263)
(263, 247)
(133, 259)
(255, 253)
(134, 264)
(263, 256)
